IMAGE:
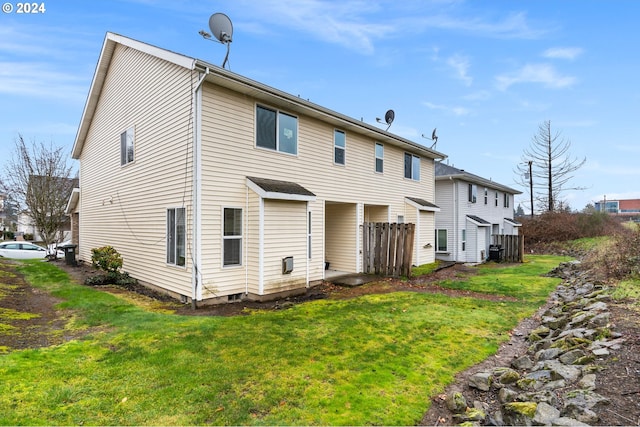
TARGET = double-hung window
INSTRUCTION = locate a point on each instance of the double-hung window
(126, 146)
(506, 200)
(232, 237)
(497, 198)
(339, 147)
(411, 167)
(379, 157)
(276, 130)
(176, 236)
(486, 196)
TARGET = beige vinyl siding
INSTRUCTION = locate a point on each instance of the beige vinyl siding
(125, 206)
(377, 214)
(341, 234)
(230, 154)
(285, 228)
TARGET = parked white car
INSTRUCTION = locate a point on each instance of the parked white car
(24, 250)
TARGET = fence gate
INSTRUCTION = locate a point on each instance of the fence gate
(387, 248)
(512, 246)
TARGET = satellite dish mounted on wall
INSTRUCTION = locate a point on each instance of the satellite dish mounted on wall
(222, 29)
(388, 118)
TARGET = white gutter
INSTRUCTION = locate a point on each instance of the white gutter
(196, 248)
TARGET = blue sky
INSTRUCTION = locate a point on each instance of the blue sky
(485, 73)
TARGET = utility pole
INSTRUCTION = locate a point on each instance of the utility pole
(531, 186)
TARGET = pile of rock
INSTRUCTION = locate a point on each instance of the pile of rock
(554, 382)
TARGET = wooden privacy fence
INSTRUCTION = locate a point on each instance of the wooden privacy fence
(387, 248)
(512, 247)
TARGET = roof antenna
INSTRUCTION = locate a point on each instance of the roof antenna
(388, 118)
(433, 138)
(222, 29)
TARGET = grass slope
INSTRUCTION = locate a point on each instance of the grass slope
(375, 359)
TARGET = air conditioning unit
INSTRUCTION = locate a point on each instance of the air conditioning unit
(287, 265)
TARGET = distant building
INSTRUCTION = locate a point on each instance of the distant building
(623, 208)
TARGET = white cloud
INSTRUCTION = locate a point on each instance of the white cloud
(38, 80)
(457, 111)
(460, 65)
(515, 25)
(544, 74)
(481, 95)
(341, 23)
(569, 53)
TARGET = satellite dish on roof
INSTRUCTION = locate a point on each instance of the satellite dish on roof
(388, 118)
(222, 29)
(433, 138)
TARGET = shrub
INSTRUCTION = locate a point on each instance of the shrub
(106, 258)
(28, 236)
(564, 226)
(620, 259)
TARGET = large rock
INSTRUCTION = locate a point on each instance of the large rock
(545, 414)
(481, 381)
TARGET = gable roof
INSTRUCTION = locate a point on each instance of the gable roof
(236, 82)
(445, 172)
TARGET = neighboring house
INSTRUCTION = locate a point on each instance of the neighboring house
(627, 208)
(45, 188)
(216, 187)
(472, 209)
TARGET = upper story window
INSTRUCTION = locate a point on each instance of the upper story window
(276, 130)
(497, 198)
(126, 146)
(379, 157)
(411, 167)
(486, 196)
(473, 193)
(506, 200)
(339, 147)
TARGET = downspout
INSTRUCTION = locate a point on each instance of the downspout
(196, 259)
(455, 219)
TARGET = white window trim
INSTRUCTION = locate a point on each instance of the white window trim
(344, 149)
(131, 129)
(175, 230)
(223, 238)
(446, 250)
(375, 155)
(278, 113)
(413, 158)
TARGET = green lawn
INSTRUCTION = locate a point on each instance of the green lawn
(375, 359)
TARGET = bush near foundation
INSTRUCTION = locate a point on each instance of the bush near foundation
(109, 260)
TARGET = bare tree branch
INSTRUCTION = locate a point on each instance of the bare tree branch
(38, 178)
(552, 167)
